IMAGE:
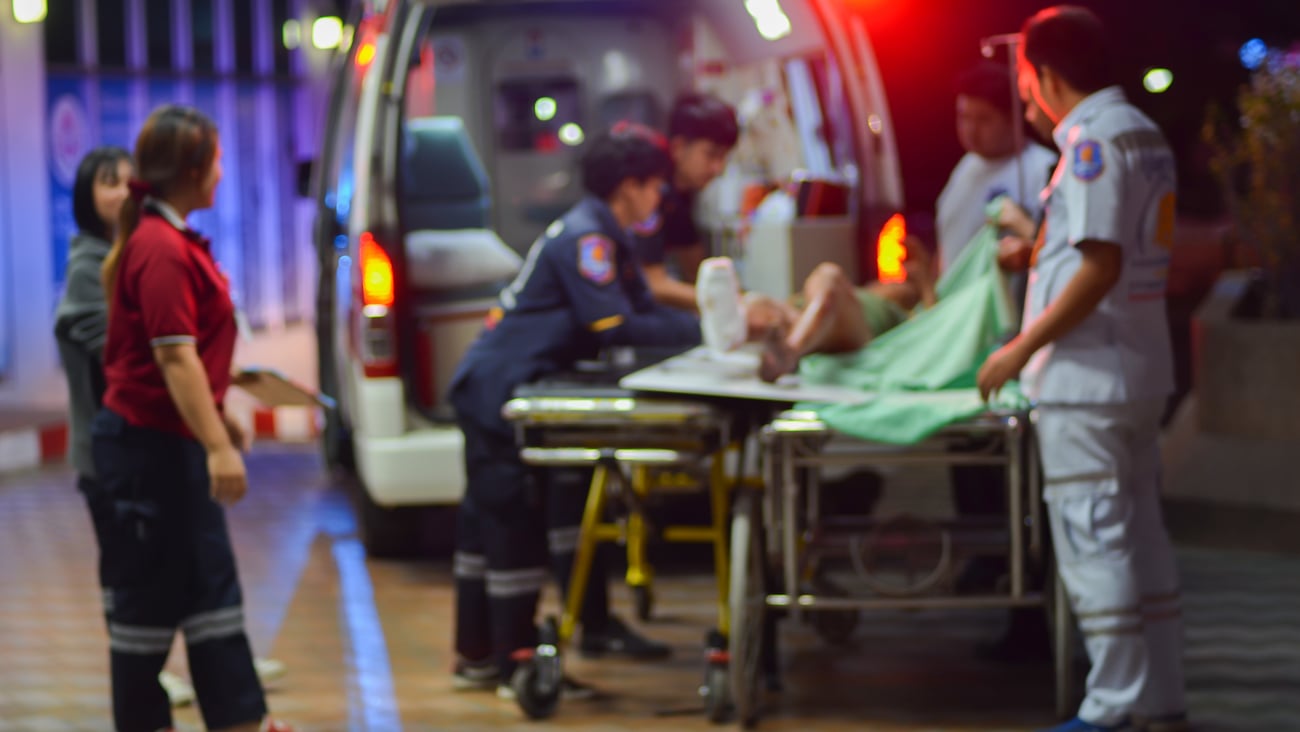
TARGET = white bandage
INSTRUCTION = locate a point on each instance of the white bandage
(722, 312)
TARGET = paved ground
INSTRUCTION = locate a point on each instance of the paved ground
(367, 643)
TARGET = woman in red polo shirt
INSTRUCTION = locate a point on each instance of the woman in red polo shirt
(166, 455)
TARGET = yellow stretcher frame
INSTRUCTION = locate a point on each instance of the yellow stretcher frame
(623, 439)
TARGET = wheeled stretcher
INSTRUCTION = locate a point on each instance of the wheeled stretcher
(789, 558)
(782, 555)
(636, 445)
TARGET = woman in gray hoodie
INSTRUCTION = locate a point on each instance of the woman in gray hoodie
(81, 321)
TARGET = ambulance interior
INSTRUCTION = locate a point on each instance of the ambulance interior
(501, 97)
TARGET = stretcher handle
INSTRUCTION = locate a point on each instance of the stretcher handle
(578, 456)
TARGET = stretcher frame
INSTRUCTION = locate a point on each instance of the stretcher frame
(774, 532)
(690, 410)
(623, 437)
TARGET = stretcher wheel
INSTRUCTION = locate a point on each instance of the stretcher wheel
(748, 604)
(535, 702)
(537, 681)
(835, 627)
(717, 693)
(644, 598)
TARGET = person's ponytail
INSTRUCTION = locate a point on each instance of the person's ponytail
(127, 222)
(176, 146)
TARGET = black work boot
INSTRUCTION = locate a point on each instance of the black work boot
(616, 639)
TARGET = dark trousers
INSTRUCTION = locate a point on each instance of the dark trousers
(502, 547)
(566, 500)
(166, 563)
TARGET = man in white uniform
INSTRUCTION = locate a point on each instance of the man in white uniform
(1095, 354)
(992, 166)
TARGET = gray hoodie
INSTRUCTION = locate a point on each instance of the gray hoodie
(81, 326)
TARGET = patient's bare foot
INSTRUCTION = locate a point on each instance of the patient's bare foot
(778, 357)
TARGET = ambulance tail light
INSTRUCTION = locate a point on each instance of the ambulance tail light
(376, 326)
(891, 251)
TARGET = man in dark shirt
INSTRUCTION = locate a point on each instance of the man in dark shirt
(702, 130)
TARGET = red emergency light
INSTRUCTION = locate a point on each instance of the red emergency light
(891, 252)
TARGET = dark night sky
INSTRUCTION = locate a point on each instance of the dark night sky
(921, 45)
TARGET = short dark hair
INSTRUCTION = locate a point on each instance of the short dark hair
(704, 117)
(1072, 41)
(102, 161)
(628, 151)
(990, 82)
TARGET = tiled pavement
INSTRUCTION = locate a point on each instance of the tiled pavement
(367, 643)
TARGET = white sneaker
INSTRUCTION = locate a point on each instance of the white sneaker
(269, 669)
(179, 691)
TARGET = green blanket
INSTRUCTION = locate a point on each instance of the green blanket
(923, 371)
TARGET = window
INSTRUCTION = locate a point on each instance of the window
(202, 28)
(838, 119)
(279, 14)
(631, 107)
(538, 115)
(243, 36)
(111, 33)
(61, 25)
(158, 31)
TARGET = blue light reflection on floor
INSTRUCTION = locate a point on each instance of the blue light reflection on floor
(373, 704)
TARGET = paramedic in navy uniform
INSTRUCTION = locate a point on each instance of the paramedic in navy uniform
(580, 289)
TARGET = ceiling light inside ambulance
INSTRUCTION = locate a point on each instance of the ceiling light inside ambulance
(1158, 81)
(769, 18)
(291, 34)
(326, 32)
(571, 135)
(29, 11)
(544, 108)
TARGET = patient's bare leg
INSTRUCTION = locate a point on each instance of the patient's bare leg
(831, 322)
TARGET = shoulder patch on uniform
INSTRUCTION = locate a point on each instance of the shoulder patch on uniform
(596, 258)
(1087, 163)
(650, 226)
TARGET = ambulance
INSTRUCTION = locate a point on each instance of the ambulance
(453, 133)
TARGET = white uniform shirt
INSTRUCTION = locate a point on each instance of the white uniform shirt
(976, 181)
(1115, 183)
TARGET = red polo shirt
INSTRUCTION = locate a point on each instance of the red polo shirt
(169, 290)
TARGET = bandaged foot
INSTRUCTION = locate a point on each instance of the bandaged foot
(778, 357)
(722, 316)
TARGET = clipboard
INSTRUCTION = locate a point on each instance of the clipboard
(274, 389)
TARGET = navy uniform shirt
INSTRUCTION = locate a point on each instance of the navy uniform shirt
(672, 227)
(580, 289)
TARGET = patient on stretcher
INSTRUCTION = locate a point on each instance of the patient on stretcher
(833, 316)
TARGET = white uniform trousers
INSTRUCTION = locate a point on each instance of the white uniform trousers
(1101, 466)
